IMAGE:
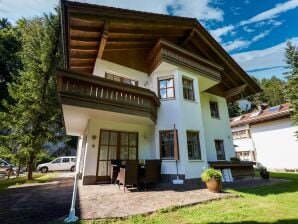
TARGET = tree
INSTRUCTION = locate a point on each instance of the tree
(10, 63)
(291, 90)
(272, 94)
(31, 121)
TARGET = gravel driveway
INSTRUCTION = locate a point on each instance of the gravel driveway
(37, 203)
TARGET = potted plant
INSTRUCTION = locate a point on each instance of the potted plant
(264, 173)
(212, 178)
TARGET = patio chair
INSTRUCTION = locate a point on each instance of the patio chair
(128, 176)
(152, 172)
(115, 168)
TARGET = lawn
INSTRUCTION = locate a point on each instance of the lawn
(268, 204)
(37, 178)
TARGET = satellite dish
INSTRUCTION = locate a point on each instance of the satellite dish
(244, 105)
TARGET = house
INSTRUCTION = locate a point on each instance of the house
(267, 136)
(130, 76)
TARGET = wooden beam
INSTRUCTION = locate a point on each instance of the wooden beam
(103, 40)
(188, 37)
(235, 91)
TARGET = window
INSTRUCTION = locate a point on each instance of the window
(73, 160)
(65, 160)
(220, 151)
(118, 78)
(214, 109)
(240, 134)
(188, 92)
(166, 88)
(193, 145)
(166, 139)
(57, 160)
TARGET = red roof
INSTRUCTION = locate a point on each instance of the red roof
(268, 114)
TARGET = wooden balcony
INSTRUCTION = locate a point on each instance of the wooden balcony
(99, 93)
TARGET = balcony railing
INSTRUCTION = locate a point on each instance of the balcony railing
(99, 93)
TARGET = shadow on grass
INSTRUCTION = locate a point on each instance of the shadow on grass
(290, 186)
(282, 221)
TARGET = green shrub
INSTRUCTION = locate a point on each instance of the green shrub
(235, 160)
(211, 174)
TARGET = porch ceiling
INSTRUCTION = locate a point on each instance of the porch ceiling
(76, 118)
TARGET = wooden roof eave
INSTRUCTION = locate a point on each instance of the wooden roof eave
(252, 85)
(160, 53)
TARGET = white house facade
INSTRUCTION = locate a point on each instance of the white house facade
(124, 98)
(267, 138)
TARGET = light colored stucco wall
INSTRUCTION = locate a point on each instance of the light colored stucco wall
(186, 115)
(276, 145)
(95, 125)
(216, 128)
(102, 66)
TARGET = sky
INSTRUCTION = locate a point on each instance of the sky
(253, 32)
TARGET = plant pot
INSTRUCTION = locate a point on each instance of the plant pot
(214, 186)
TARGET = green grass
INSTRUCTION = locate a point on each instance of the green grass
(267, 204)
(37, 178)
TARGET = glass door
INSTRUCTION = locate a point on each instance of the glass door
(115, 145)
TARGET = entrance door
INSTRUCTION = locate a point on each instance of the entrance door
(115, 145)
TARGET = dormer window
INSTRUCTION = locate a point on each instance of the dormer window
(118, 78)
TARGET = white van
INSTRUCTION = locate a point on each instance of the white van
(59, 164)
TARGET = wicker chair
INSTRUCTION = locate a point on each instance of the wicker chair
(152, 172)
(128, 176)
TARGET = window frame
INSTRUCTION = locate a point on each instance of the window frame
(160, 145)
(188, 89)
(192, 144)
(223, 149)
(159, 89)
(217, 116)
(122, 78)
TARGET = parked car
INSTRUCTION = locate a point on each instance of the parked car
(6, 168)
(59, 164)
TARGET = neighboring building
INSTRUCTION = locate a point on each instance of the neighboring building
(131, 76)
(267, 136)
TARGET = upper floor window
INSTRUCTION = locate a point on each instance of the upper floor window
(220, 150)
(166, 88)
(193, 145)
(188, 91)
(214, 109)
(118, 78)
(240, 134)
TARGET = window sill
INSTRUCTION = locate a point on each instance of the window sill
(190, 101)
(216, 118)
(167, 99)
(195, 160)
(169, 160)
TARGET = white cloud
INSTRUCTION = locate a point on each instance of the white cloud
(201, 10)
(248, 30)
(236, 44)
(265, 58)
(218, 33)
(260, 36)
(272, 13)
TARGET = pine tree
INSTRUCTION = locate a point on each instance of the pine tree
(31, 121)
(291, 90)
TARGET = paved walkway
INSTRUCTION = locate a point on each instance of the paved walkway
(107, 201)
(36, 203)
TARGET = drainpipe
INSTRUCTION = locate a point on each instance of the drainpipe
(72, 212)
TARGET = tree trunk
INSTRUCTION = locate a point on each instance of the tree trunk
(30, 167)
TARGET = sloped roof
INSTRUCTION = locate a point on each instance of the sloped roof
(127, 37)
(266, 115)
